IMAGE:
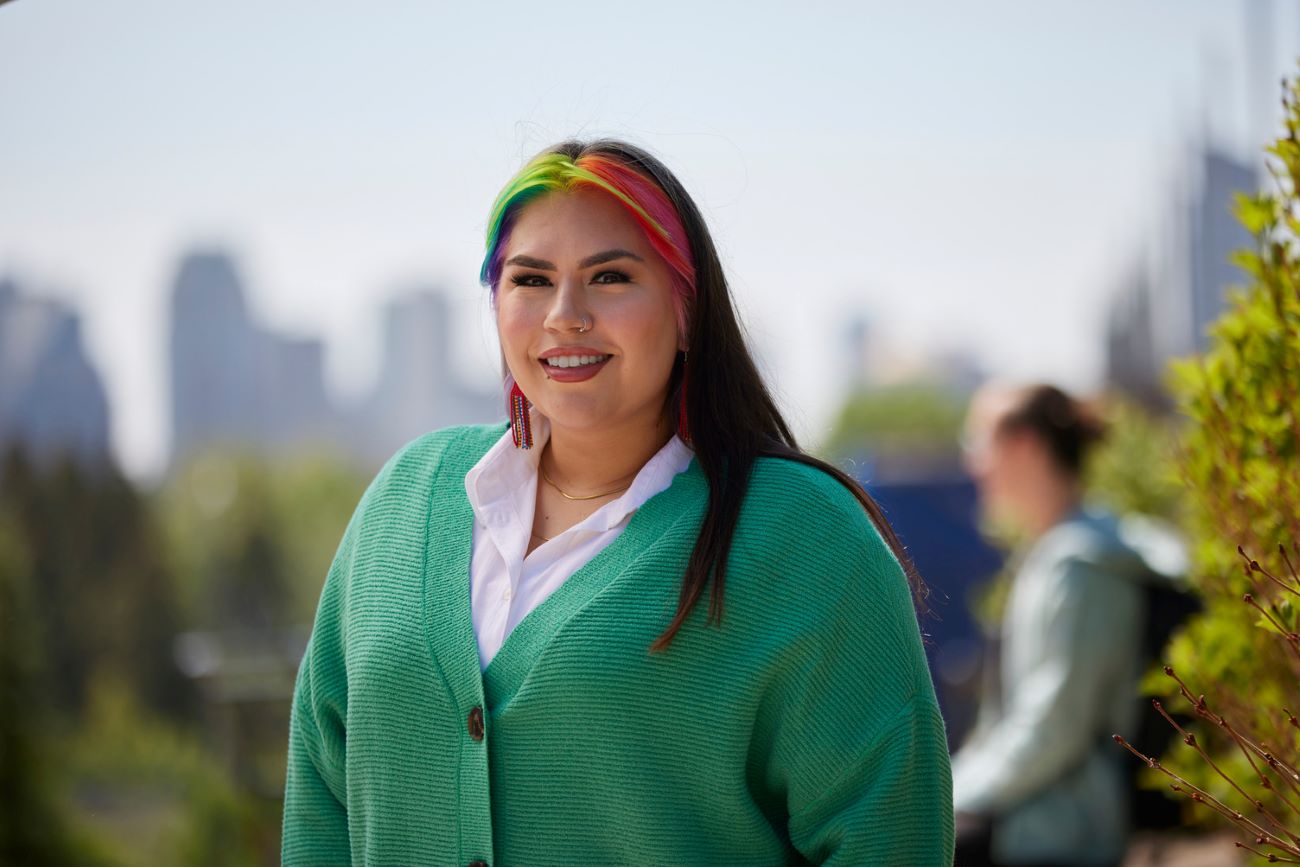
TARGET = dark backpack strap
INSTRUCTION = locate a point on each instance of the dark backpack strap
(1167, 608)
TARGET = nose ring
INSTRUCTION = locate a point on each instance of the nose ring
(586, 326)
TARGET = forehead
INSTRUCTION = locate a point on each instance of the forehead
(582, 220)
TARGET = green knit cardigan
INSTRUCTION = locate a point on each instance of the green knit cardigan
(803, 729)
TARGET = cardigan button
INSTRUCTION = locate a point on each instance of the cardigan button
(478, 864)
(476, 732)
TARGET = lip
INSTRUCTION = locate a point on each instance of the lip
(572, 374)
(572, 350)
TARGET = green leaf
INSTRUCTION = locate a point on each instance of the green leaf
(1256, 212)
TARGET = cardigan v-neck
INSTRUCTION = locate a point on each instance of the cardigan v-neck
(447, 591)
(801, 729)
(507, 581)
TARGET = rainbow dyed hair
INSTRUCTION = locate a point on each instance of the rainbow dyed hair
(644, 199)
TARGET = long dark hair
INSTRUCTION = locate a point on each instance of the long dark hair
(732, 419)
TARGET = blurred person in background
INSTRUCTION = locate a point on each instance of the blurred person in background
(522, 653)
(1039, 781)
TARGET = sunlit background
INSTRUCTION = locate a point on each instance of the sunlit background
(239, 247)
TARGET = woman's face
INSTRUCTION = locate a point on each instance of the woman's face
(578, 260)
(999, 460)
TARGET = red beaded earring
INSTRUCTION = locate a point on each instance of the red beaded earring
(520, 425)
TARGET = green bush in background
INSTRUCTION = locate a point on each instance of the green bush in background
(1136, 469)
(902, 430)
(1241, 458)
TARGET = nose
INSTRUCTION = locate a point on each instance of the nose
(568, 309)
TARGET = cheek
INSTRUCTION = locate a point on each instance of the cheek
(983, 468)
(653, 344)
(512, 328)
(652, 324)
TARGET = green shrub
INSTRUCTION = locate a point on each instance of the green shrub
(1136, 468)
(1241, 459)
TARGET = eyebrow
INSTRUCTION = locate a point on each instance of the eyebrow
(594, 259)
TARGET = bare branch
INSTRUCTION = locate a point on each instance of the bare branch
(1267, 856)
(1190, 740)
(1253, 566)
(1201, 796)
(1292, 638)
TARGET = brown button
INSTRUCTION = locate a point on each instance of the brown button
(476, 732)
(478, 863)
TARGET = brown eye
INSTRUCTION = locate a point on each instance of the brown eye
(610, 277)
(528, 280)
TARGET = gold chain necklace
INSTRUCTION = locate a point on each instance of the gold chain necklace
(569, 496)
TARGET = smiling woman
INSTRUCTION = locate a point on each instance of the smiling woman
(588, 327)
(509, 663)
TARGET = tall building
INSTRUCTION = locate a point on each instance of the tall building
(418, 389)
(1171, 295)
(1215, 235)
(1132, 359)
(237, 383)
(52, 400)
(233, 382)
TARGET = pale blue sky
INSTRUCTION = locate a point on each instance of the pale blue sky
(970, 175)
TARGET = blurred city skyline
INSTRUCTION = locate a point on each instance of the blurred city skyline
(971, 181)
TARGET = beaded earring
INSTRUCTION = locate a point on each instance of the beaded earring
(520, 425)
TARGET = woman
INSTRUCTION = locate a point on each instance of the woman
(510, 663)
(1040, 782)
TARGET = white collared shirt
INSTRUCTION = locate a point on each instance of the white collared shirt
(505, 585)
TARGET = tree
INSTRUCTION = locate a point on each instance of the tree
(1237, 666)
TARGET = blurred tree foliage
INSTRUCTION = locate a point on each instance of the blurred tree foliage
(98, 583)
(1135, 469)
(108, 755)
(1241, 458)
(919, 417)
(35, 827)
(250, 539)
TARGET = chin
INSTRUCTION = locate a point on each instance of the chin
(577, 418)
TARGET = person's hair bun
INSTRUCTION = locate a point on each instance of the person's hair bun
(1068, 427)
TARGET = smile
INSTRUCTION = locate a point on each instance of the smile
(574, 360)
(573, 368)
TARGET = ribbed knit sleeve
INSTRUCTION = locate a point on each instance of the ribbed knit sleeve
(315, 830)
(859, 744)
(315, 819)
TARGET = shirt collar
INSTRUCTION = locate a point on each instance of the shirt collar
(502, 485)
(655, 476)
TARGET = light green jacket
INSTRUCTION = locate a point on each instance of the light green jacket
(1042, 761)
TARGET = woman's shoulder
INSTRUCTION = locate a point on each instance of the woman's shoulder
(416, 466)
(798, 509)
(456, 443)
(790, 490)
(807, 547)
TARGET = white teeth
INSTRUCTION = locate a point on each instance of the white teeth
(574, 360)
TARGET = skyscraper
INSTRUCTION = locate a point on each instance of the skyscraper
(237, 383)
(418, 389)
(52, 401)
(1169, 298)
(234, 383)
